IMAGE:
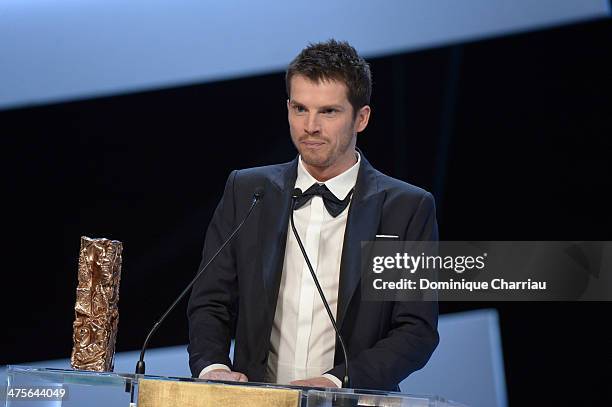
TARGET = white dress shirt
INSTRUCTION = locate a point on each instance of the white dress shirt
(302, 342)
(303, 339)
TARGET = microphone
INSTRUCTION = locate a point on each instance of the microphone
(140, 366)
(346, 382)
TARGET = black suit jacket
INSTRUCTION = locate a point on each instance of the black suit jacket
(237, 295)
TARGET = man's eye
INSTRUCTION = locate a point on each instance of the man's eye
(299, 109)
(329, 111)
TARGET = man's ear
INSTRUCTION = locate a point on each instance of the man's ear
(362, 118)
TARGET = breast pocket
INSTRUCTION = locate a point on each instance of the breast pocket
(387, 237)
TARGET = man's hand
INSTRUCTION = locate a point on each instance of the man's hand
(315, 382)
(225, 375)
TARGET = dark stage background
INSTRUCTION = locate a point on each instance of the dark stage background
(512, 135)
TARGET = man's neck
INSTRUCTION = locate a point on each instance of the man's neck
(323, 174)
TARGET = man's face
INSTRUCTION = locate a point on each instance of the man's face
(323, 127)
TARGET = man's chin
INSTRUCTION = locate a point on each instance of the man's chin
(314, 159)
(316, 162)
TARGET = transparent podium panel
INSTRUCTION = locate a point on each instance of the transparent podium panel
(46, 387)
(358, 398)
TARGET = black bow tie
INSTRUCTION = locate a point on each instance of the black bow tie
(333, 205)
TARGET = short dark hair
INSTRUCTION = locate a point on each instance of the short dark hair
(334, 60)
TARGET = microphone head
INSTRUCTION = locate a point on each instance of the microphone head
(259, 193)
(296, 193)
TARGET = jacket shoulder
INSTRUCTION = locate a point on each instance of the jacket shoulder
(248, 178)
(266, 171)
(398, 188)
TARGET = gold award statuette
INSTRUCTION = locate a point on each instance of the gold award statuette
(96, 312)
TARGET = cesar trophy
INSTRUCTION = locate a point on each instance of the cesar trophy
(96, 312)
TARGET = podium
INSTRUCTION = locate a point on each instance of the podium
(46, 387)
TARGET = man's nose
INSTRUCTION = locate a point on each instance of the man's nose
(312, 125)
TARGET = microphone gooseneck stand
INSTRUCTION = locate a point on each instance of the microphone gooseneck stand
(346, 382)
(140, 365)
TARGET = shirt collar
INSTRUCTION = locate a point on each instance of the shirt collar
(340, 185)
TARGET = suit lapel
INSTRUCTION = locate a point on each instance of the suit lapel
(362, 223)
(273, 229)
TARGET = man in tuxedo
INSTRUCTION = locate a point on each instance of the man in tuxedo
(260, 291)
